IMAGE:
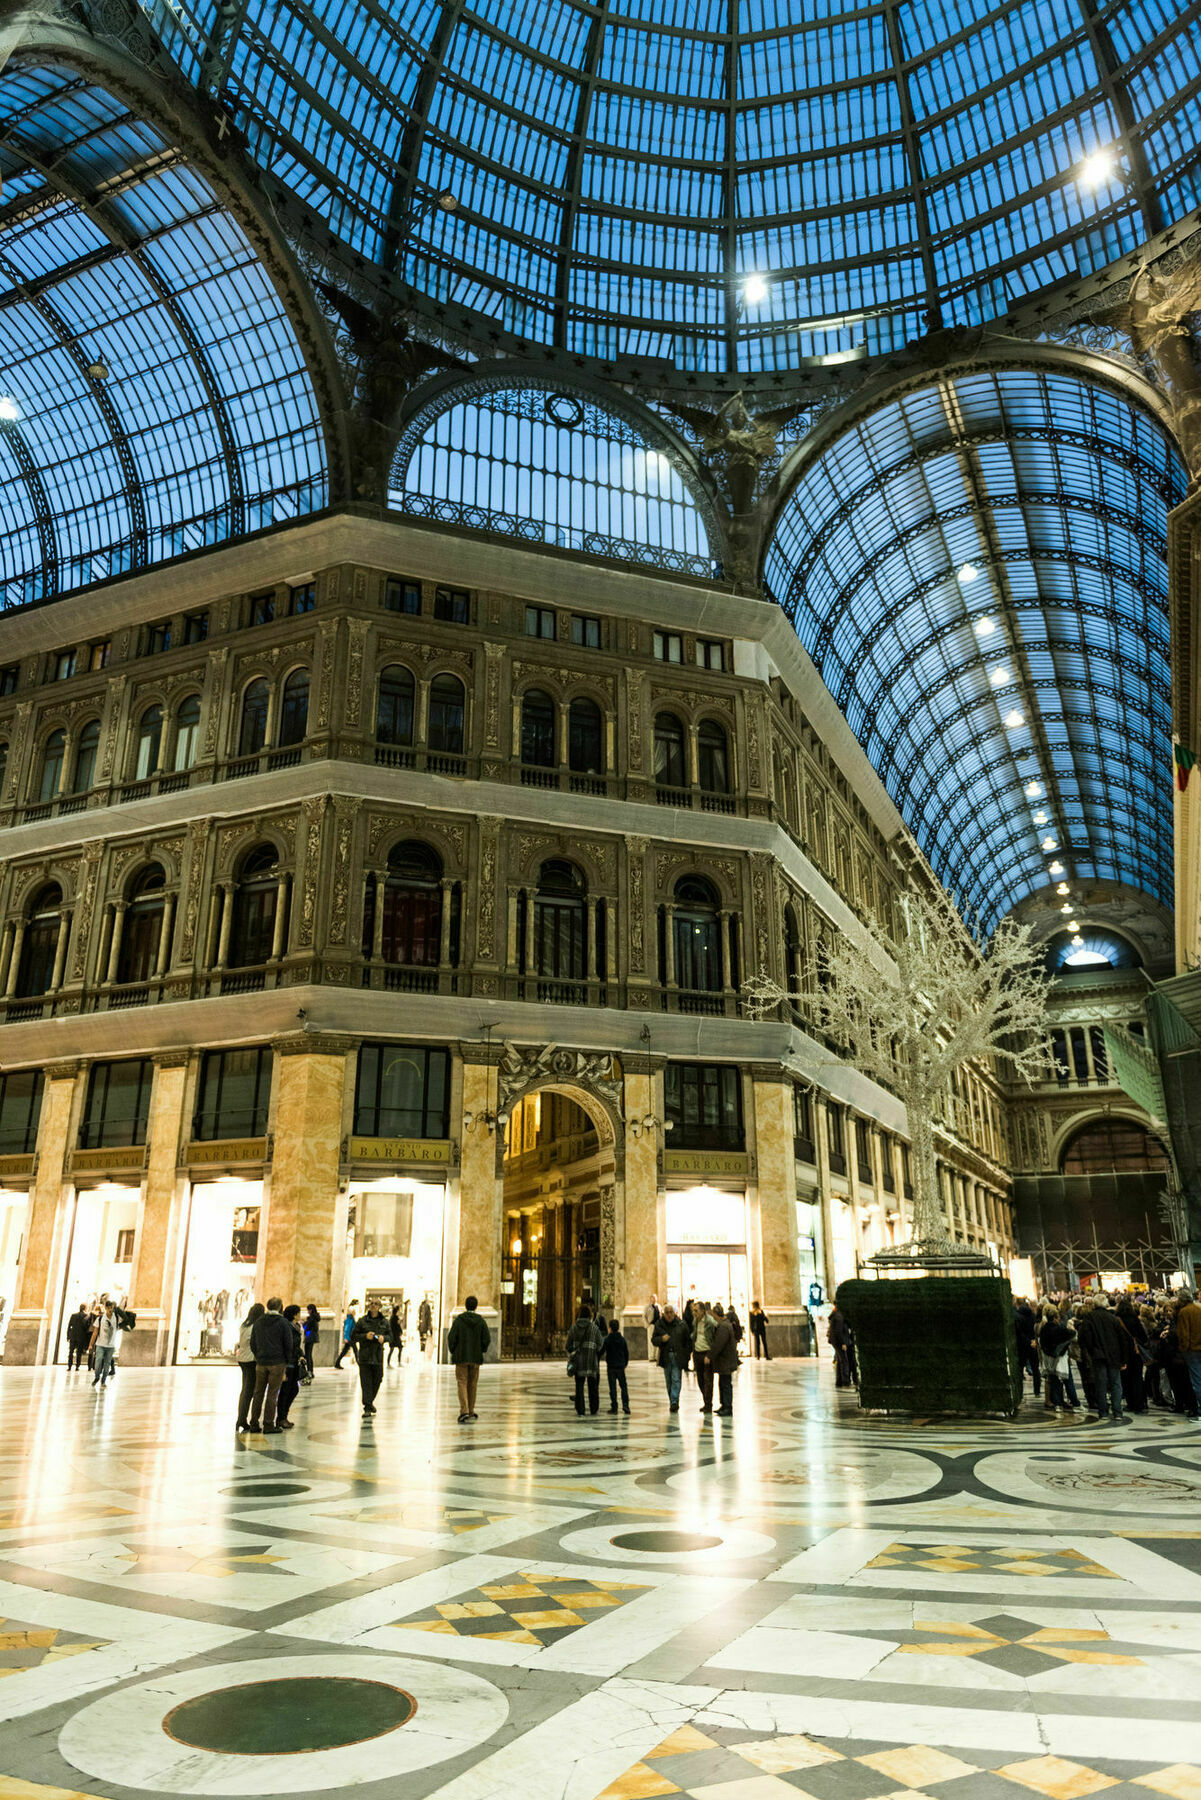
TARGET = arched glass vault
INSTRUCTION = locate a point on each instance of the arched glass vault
(157, 397)
(978, 568)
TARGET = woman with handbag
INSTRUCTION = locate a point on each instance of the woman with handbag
(1053, 1340)
(583, 1360)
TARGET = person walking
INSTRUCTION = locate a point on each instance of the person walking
(347, 1333)
(289, 1387)
(583, 1359)
(702, 1331)
(395, 1336)
(759, 1323)
(1188, 1339)
(311, 1332)
(272, 1343)
(615, 1354)
(467, 1344)
(246, 1364)
(79, 1336)
(723, 1361)
(370, 1335)
(674, 1345)
(425, 1324)
(104, 1345)
(1108, 1345)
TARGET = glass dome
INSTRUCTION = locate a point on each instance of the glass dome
(721, 184)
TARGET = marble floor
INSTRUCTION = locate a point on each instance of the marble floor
(796, 1600)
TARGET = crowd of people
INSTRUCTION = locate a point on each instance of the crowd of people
(1130, 1354)
(704, 1338)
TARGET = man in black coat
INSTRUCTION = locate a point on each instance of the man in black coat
(615, 1354)
(370, 1336)
(1109, 1344)
(673, 1340)
(79, 1336)
(271, 1345)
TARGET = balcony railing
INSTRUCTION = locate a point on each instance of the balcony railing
(669, 796)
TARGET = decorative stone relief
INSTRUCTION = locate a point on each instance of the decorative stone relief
(669, 861)
(761, 910)
(217, 667)
(354, 670)
(360, 587)
(314, 812)
(495, 654)
(524, 1067)
(333, 584)
(229, 837)
(16, 755)
(634, 720)
(608, 1243)
(754, 762)
(485, 937)
(690, 697)
(198, 832)
(345, 813)
(325, 693)
(636, 853)
(92, 853)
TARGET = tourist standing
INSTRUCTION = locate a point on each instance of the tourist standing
(395, 1336)
(723, 1361)
(1054, 1338)
(1188, 1338)
(838, 1336)
(650, 1318)
(347, 1333)
(1108, 1344)
(759, 1323)
(290, 1385)
(735, 1324)
(702, 1332)
(246, 1364)
(311, 1332)
(674, 1345)
(1024, 1326)
(425, 1324)
(272, 1343)
(467, 1344)
(104, 1345)
(584, 1342)
(615, 1354)
(370, 1335)
(79, 1336)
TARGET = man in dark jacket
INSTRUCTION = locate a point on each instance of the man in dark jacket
(674, 1341)
(1025, 1325)
(271, 1344)
(290, 1386)
(615, 1354)
(467, 1344)
(723, 1360)
(79, 1336)
(370, 1336)
(1108, 1345)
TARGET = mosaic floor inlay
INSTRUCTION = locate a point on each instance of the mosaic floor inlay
(541, 1607)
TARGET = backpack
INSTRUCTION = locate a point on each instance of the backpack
(126, 1321)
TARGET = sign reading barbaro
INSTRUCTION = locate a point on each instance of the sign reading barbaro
(399, 1150)
(228, 1150)
(705, 1162)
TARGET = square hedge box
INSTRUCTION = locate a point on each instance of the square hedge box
(934, 1343)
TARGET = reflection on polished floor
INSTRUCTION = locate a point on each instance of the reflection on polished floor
(794, 1601)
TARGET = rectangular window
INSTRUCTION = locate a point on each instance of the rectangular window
(20, 1111)
(863, 1151)
(886, 1164)
(586, 631)
(802, 1125)
(402, 596)
(710, 654)
(1079, 1052)
(539, 622)
(453, 605)
(196, 628)
(124, 1250)
(836, 1139)
(703, 1103)
(117, 1109)
(669, 646)
(158, 637)
(1059, 1049)
(98, 655)
(304, 598)
(403, 1091)
(233, 1095)
(262, 609)
(906, 1172)
(9, 677)
(64, 665)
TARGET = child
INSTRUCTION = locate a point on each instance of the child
(615, 1354)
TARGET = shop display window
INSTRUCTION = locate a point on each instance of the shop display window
(13, 1209)
(220, 1266)
(103, 1228)
(706, 1248)
(234, 1094)
(394, 1247)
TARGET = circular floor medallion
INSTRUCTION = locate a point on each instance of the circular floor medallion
(289, 1717)
(670, 1543)
(265, 1490)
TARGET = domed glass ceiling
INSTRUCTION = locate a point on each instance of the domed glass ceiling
(605, 177)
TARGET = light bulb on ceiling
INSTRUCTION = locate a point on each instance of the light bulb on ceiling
(754, 290)
(1066, 908)
(1040, 818)
(1098, 168)
(1034, 790)
(1073, 924)
(9, 410)
(1063, 888)
(1050, 843)
(1056, 868)
(448, 201)
(1077, 941)
(967, 572)
(985, 627)
(1000, 677)
(1015, 718)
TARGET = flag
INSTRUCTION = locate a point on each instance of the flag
(1184, 762)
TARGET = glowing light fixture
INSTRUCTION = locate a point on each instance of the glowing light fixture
(1066, 908)
(1056, 868)
(1040, 818)
(1098, 168)
(754, 290)
(1063, 888)
(1000, 677)
(1073, 924)
(1077, 941)
(9, 410)
(1034, 790)
(1050, 843)
(1015, 718)
(985, 627)
(967, 572)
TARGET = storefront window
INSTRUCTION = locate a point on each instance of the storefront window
(234, 1094)
(220, 1266)
(706, 1248)
(118, 1104)
(13, 1208)
(20, 1111)
(394, 1250)
(403, 1090)
(104, 1228)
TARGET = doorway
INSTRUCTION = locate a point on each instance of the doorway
(550, 1253)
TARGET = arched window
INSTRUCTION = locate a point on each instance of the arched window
(187, 733)
(560, 922)
(40, 944)
(83, 775)
(394, 709)
(446, 715)
(50, 775)
(538, 730)
(148, 743)
(697, 929)
(142, 927)
(585, 741)
(670, 765)
(1106, 1145)
(412, 921)
(253, 929)
(713, 757)
(793, 971)
(252, 733)
(294, 710)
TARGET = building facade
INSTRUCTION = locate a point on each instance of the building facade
(374, 911)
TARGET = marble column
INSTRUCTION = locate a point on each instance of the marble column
(641, 1255)
(156, 1243)
(47, 1225)
(309, 1087)
(481, 1202)
(775, 1159)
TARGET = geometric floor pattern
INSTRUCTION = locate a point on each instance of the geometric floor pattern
(794, 1600)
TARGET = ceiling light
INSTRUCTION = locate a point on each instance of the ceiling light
(1050, 843)
(967, 572)
(98, 370)
(1015, 718)
(754, 289)
(448, 201)
(1040, 818)
(9, 410)
(1098, 168)
(1034, 790)
(1066, 908)
(1073, 924)
(985, 627)
(1056, 868)
(1077, 941)
(1063, 888)
(1000, 677)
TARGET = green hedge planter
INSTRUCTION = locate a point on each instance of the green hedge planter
(934, 1343)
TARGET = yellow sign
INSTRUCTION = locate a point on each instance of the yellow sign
(125, 1156)
(706, 1162)
(227, 1150)
(16, 1165)
(400, 1150)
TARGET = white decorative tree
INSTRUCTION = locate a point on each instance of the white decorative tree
(910, 1013)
